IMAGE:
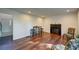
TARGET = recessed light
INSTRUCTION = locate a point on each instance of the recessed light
(29, 12)
(67, 10)
(42, 16)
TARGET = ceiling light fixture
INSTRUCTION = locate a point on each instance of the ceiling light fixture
(67, 10)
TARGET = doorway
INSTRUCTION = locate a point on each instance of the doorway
(6, 31)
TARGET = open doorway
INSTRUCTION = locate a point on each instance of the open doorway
(6, 31)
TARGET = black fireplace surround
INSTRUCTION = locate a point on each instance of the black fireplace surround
(55, 29)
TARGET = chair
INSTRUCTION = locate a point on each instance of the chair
(36, 31)
(69, 35)
(71, 32)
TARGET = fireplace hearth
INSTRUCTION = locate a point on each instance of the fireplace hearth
(55, 29)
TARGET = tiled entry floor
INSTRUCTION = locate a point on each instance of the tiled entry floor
(6, 43)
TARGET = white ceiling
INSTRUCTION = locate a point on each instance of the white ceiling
(46, 11)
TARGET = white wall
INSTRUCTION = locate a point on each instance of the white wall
(66, 21)
(22, 23)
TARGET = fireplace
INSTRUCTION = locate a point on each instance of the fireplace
(55, 29)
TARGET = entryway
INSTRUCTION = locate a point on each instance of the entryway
(6, 31)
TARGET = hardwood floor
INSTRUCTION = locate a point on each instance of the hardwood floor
(30, 43)
(34, 43)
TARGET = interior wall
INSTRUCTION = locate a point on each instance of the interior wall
(66, 21)
(22, 23)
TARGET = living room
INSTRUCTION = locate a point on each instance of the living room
(25, 19)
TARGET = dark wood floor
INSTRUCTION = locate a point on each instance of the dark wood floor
(33, 43)
(30, 43)
(6, 43)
